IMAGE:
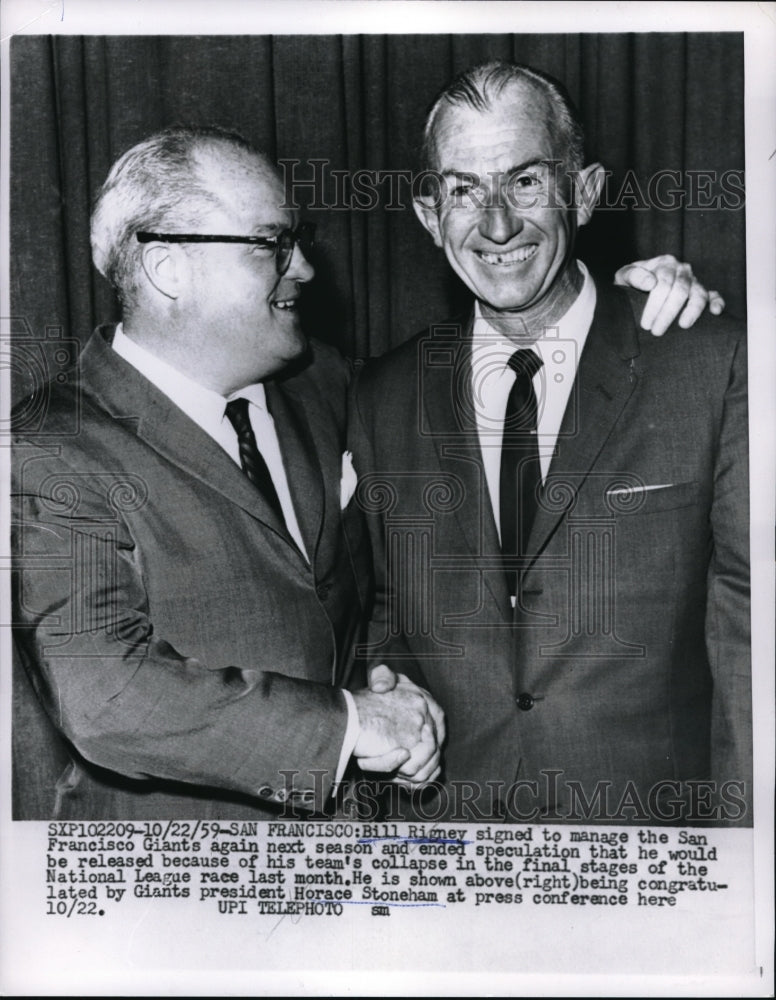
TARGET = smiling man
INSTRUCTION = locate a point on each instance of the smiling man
(497, 213)
(561, 532)
(188, 588)
(191, 569)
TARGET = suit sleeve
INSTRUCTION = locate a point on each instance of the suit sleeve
(124, 696)
(728, 612)
(384, 644)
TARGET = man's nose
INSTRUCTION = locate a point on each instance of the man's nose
(300, 268)
(500, 221)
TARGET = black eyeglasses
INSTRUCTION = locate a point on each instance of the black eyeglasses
(303, 237)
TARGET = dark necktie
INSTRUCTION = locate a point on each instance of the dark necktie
(251, 459)
(520, 469)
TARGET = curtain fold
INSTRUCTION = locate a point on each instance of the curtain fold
(667, 105)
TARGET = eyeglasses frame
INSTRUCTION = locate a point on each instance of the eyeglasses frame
(284, 242)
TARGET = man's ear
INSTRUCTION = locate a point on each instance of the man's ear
(163, 265)
(426, 210)
(588, 183)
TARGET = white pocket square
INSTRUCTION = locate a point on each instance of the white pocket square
(630, 490)
(348, 480)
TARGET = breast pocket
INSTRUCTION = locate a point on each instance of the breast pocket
(649, 499)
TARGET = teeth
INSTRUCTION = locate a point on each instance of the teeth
(285, 304)
(522, 253)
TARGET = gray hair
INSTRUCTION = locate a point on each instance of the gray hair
(155, 185)
(478, 88)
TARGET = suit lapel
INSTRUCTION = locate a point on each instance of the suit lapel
(606, 377)
(301, 461)
(453, 429)
(132, 399)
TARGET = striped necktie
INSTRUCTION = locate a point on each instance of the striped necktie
(251, 459)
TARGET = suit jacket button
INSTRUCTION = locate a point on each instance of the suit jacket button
(265, 792)
(322, 590)
(525, 702)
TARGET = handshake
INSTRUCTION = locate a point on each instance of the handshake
(401, 729)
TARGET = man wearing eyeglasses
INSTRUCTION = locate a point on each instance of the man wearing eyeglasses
(188, 602)
(192, 573)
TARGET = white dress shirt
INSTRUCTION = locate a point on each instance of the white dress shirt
(207, 409)
(559, 347)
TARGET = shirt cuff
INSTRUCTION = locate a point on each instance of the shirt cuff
(351, 737)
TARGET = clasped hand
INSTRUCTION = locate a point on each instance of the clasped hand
(401, 729)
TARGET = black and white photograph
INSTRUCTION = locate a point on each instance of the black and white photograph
(387, 480)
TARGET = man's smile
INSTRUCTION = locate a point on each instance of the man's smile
(286, 304)
(512, 257)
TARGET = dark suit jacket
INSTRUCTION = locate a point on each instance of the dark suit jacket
(175, 634)
(626, 659)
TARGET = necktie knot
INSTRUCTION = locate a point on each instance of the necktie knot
(521, 411)
(237, 412)
(525, 362)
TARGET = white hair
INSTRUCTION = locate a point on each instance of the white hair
(157, 185)
(480, 86)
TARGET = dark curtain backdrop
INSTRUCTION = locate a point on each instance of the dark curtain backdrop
(651, 102)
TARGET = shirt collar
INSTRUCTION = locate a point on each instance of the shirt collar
(204, 406)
